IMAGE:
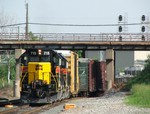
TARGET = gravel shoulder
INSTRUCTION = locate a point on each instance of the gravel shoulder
(112, 103)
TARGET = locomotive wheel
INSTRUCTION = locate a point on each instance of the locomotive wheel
(48, 97)
(49, 100)
(59, 95)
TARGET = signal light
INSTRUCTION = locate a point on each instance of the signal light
(143, 29)
(120, 29)
(39, 52)
(120, 18)
(143, 18)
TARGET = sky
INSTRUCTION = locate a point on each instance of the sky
(85, 12)
(141, 55)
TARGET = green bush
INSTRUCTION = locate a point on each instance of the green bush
(141, 77)
(140, 87)
(140, 95)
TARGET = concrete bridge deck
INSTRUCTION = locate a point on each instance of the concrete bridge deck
(71, 41)
(85, 45)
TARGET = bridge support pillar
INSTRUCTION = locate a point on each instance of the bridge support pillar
(18, 53)
(110, 68)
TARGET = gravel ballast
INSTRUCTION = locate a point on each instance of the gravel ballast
(112, 103)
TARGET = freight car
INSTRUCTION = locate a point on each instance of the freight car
(92, 76)
(84, 76)
(72, 59)
(44, 76)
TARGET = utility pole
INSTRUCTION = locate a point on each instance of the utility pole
(26, 32)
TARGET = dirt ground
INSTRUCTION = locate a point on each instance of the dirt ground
(6, 92)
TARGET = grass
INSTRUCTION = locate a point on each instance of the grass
(140, 95)
(4, 83)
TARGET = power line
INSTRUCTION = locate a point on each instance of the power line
(47, 24)
(82, 24)
(12, 25)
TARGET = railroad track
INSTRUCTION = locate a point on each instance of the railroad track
(30, 108)
(16, 107)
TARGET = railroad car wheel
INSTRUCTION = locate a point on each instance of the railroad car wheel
(67, 93)
(85, 94)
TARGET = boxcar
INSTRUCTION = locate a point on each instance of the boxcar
(97, 77)
(103, 75)
(92, 76)
(83, 76)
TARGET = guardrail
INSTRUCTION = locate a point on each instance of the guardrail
(78, 37)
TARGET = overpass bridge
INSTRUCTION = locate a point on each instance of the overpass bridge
(75, 41)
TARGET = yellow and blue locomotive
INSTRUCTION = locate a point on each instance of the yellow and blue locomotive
(44, 76)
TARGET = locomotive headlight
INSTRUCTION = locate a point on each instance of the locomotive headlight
(39, 51)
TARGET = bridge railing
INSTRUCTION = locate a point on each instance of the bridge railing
(12, 36)
(78, 37)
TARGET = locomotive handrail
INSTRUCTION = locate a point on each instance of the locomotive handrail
(23, 77)
(54, 79)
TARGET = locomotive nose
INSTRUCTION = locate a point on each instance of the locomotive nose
(39, 71)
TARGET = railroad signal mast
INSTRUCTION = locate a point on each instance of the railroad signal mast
(122, 26)
(145, 27)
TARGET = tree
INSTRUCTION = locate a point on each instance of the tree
(143, 76)
(32, 37)
(10, 63)
(7, 65)
(79, 52)
(3, 71)
(6, 20)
